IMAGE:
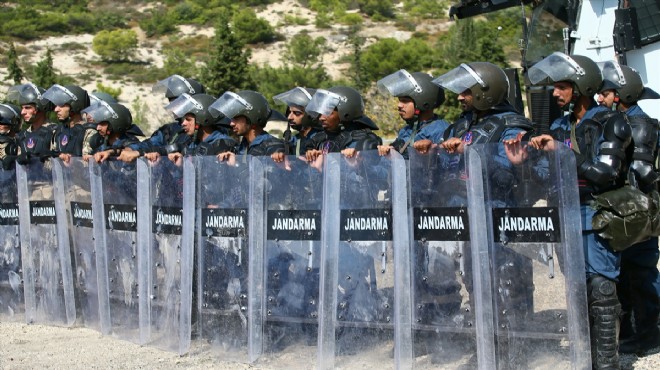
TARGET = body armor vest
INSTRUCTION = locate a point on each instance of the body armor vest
(37, 142)
(642, 152)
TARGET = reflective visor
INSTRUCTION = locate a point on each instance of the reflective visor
(59, 95)
(183, 105)
(323, 103)
(459, 79)
(172, 83)
(296, 96)
(554, 68)
(99, 112)
(229, 104)
(15, 93)
(612, 75)
(398, 84)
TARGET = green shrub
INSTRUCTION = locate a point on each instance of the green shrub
(251, 29)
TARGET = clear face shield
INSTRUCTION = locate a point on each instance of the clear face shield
(98, 113)
(173, 84)
(18, 93)
(296, 96)
(59, 95)
(400, 83)
(460, 79)
(183, 105)
(613, 77)
(323, 103)
(230, 105)
(554, 68)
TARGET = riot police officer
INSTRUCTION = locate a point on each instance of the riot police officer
(73, 136)
(599, 140)
(36, 139)
(113, 123)
(10, 123)
(638, 287)
(418, 97)
(249, 112)
(307, 126)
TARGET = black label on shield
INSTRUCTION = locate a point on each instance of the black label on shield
(526, 225)
(167, 220)
(81, 214)
(294, 225)
(441, 224)
(120, 217)
(221, 222)
(42, 212)
(8, 214)
(366, 224)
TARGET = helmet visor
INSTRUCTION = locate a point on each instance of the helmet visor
(100, 112)
(173, 84)
(323, 103)
(19, 94)
(60, 95)
(554, 68)
(183, 105)
(399, 83)
(230, 105)
(296, 96)
(612, 75)
(459, 79)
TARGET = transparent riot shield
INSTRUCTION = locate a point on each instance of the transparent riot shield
(227, 319)
(46, 259)
(444, 333)
(114, 209)
(526, 238)
(291, 240)
(365, 263)
(167, 268)
(12, 306)
(77, 201)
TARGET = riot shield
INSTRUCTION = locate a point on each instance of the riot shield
(77, 201)
(525, 232)
(291, 240)
(167, 270)
(114, 211)
(444, 333)
(365, 263)
(46, 258)
(227, 319)
(12, 306)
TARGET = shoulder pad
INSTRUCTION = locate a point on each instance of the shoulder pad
(518, 121)
(603, 116)
(643, 120)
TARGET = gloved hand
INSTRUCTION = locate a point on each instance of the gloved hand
(23, 158)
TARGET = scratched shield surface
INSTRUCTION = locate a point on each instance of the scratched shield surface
(525, 228)
(46, 259)
(12, 303)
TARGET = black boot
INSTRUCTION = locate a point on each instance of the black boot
(604, 311)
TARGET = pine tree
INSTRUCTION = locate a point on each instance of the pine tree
(14, 71)
(44, 73)
(227, 66)
(356, 43)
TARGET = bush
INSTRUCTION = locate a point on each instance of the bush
(117, 45)
(158, 23)
(251, 29)
(114, 92)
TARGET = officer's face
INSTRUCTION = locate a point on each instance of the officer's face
(240, 126)
(406, 108)
(563, 92)
(4, 129)
(103, 128)
(189, 123)
(606, 98)
(28, 112)
(330, 122)
(63, 111)
(295, 116)
(465, 100)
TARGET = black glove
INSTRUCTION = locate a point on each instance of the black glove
(23, 158)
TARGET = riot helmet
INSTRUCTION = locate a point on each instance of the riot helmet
(176, 85)
(197, 105)
(633, 90)
(248, 103)
(118, 116)
(96, 96)
(75, 96)
(10, 115)
(612, 74)
(581, 71)
(418, 86)
(298, 97)
(487, 82)
(29, 93)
